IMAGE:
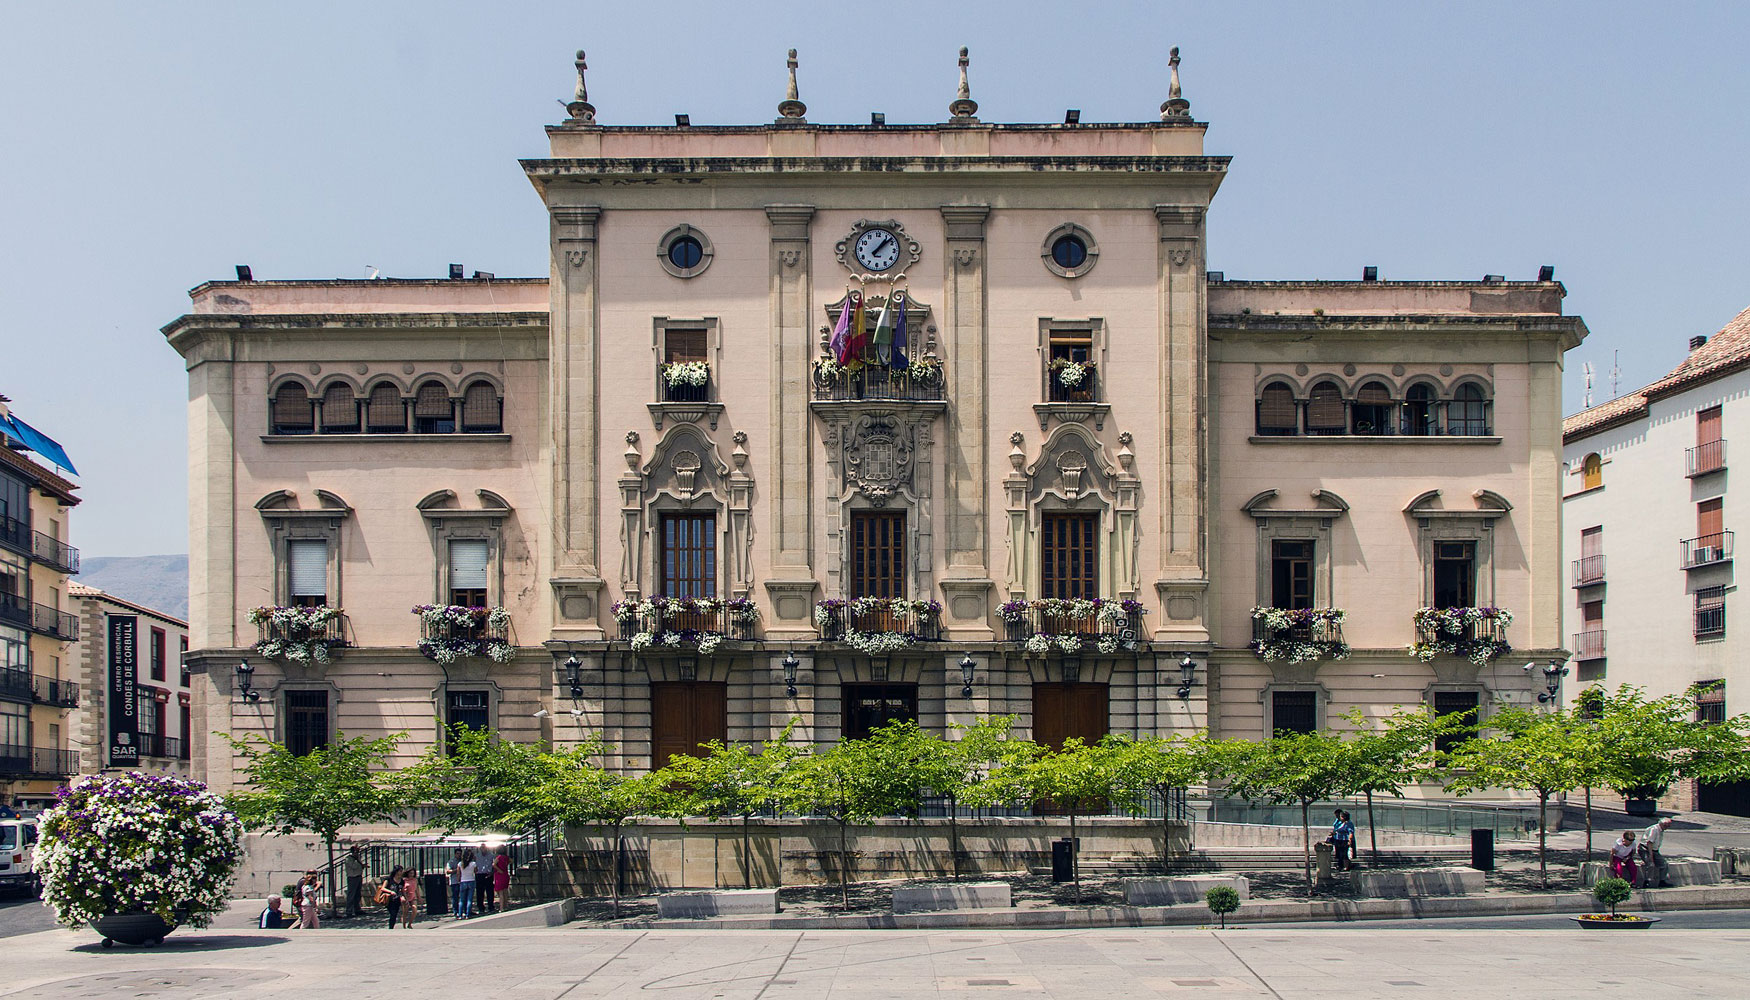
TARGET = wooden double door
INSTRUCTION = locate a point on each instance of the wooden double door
(1064, 711)
(685, 715)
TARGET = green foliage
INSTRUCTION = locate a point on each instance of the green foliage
(1222, 900)
(1611, 891)
(1399, 750)
(347, 782)
(481, 782)
(1292, 767)
(1645, 744)
(1543, 752)
(1154, 765)
(737, 779)
(1076, 778)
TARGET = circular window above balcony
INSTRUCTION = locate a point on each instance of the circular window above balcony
(1069, 251)
(684, 252)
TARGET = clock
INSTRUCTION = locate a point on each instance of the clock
(877, 249)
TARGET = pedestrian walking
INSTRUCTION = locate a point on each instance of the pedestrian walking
(389, 895)
(465, 887)
(309, 893)
(355, 882)
(1342, 839)
(273, 918)
(455, 873)
(409, 896)
(483, 879)
(501, 876)
(1654, 838)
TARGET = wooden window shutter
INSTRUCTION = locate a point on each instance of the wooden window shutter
(481, 409)
(291, 409)
(1324, 409)
(384, 413)
(340, 408)
(1277, 410)
(431, 401)
(1373, 394)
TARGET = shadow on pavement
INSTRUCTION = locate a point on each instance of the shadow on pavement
(191, 942)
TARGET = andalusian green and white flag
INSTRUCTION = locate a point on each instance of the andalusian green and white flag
(884, 333)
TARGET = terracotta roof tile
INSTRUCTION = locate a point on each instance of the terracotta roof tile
(1725, 352)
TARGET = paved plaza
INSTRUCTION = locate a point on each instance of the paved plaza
(1351, 961)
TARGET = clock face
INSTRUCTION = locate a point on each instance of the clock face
(877, 250)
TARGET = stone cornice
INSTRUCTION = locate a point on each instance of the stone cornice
(878, 168)
(202, 332)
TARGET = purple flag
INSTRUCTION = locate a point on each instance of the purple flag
(841, 334)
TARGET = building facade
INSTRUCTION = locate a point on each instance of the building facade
(842, 424)
(130, 663)
(1649, 538)
(38, 685)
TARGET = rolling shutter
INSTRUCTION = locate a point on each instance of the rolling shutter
(308, 562)
(468, 564)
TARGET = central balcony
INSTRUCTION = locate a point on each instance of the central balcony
(1072, 625)
(299, 634)
(1298, 635)
(54, 552)
(1706, 550)
(448, 633)
(1475, 634)
(916, 384)
(878, 625)
(1705, 458)
(683, 624)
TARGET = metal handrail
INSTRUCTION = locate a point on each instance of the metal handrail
(1320, 631)
(660, 620)
(1589, 645)
(878, 382)
(54, 552)
(1709, 456)
(1588, 570)
(53, 691)
(1705, 550)
(839, 619)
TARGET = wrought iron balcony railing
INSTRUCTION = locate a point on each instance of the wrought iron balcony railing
(14, 534)
(732, 619)
(14, 608)
(682, 393)
(54, 552)
(1323, 631)
(1023, 620)
(47, 762)
(159, 745)
(919, 619)
(51, 691)
(1484, 630)
(881, 383)
(1589, 645)
(1705, 458)
(16, 685)
(1588, 570)
(1085, 391)
(1706, 550)
(333, 631)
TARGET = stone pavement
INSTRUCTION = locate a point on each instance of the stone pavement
(1353, 962)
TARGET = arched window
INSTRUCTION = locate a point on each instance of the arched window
(340, 410)
(1278, 414)
(482, 410)
(1372, 412)
(292, 412)
(432, 410)
(1591, 472)
(1419, 410)
(385, 413)
(1324, 410)
(1468, 413)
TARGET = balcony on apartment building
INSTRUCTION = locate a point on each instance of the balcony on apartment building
(17, 535)
(163, 747)
(1706, 550)
(1589, 645)
(1705, 458)
(1588, 571)
(56, 692)
(43, 762)
(15, 609)
(921, 620)
(15, 685)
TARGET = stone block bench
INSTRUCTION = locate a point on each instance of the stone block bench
(714, 904)
(1408, 883)
(973, 896)
(1190, 889)
(1683, 871)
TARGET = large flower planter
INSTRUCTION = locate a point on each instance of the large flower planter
(1641, 807)
(1623, 922)
(137, 928)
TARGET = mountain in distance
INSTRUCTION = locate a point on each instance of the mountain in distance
(158, 582)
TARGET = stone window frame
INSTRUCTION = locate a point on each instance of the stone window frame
(649, 489)
(1105, 487)
(276, 694)
(440, 702)
(285, 524)
(447, 522)
(1312, 524)
(708, 411)
(1440, 524)
(1321, 703)
(1094, 412)
(1069, 229)
(706, 251)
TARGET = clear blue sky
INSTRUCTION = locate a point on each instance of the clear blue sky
(145, 148)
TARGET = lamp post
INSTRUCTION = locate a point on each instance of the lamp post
(790, 665)
(1187, 675)
(574, 677)
(967, 666)
(246, 682)
(1553, 672)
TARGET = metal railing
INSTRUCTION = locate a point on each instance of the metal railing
(54, 552)
(49, 621)
(160, 745)
(1710, 623)
(52, 691)
(1705, 458)
(15, 610)
(14, 533)
(1589, 645)
(1043, 621)
(332, 631)
(1448, 819)
(682, 393)
(16, 684)
(1705, 550)
(1588, 570)
(1086, 391)
(837, 618)
(1488, 628)
(879, 382)
(45, 761)
(481, 629)
(722, 621)
(1313, 631)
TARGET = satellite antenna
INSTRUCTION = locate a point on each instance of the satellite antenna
(371, 273)
(1615, 372)
(1587, 368)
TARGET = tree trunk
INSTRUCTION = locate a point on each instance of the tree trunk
(1166, 831)
(954, 837)
(1306, 843)
(1589, 823)
(1372, 834)
(844, 865)
(333, 882)
(746, 853)
(1542, 838)
(616, 871)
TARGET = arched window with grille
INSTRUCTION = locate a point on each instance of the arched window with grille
(1372, 412)
(1278, 414)
(482, 410)
(292, 411)
(1591, 472)
(385, 413)
(1325, 412)
(1468, 413)
(1419, 410)
(340, 410)
(433, 413)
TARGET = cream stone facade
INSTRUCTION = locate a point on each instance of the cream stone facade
(1151, 482)
(161, 714)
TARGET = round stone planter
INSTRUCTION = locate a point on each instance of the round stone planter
(1631, 923)
(136, 928)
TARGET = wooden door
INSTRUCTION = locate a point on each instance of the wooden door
(1069, 556)
(685, 715)
(1062, 711)
(878, 554)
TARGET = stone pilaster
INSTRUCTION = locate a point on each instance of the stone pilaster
(966, 581)
(792, 586)
(1183, 495)
(575, 417)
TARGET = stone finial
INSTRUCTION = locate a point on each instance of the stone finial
(791, 106)
(580, 109)
(963, 107)
(1175, 105)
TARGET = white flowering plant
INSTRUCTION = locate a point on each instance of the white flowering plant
(1071, 374)
(1299, 635)
(451, 632)
(673, 621)
(828, 370)
(1071, 624)
(688, 373)
(878, 625)
(300, 635)
(134, 841)
(926, 370)
(1474, 634)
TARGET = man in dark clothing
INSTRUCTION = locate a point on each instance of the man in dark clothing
(355, 882)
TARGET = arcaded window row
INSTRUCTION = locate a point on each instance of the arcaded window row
(386, 408)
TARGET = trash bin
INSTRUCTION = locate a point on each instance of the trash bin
(1063, 860)
(437, 895)
(1482, 849)
(1324, 853)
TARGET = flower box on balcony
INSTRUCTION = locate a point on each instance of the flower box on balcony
(450, 632)
(1298, 635)
(878, 625)
(675, 622)
(299, 635)
(1072, 625)
(1476, 634)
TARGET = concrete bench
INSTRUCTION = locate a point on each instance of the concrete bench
(1683, 871)
(1190, 889)
(1407, 883)
(974, 896)
(714, 904)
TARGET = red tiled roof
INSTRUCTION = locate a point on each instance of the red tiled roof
(1724, 353)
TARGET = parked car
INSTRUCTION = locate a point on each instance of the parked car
(18, 856)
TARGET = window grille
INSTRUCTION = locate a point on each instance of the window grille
(385, 412)
(306, 721)
(340, 410)
(292, 411)
(1294, 711)
(482, 410)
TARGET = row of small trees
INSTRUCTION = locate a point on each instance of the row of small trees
(1621, 740)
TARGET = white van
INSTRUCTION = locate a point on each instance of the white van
(18, 856)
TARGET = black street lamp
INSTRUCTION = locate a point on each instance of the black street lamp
(574, 677)
(246, 682)
(967, 666)
(1553, 672)
(790, 665)
(1187, 675)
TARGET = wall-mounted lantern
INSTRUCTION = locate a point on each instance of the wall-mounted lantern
(246, 682)
(967, 666)
(790, 665)
(1187, 675)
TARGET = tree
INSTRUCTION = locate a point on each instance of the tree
(571, 788)
(1074, 779)
(1289, 767)
(1543, 752)
(1611, 891)
(479, 781)
(1222, 900)
(736, 779)
(1156, 767)
(838, 783)
(1383, 759)
(347, 782)
(961, 766)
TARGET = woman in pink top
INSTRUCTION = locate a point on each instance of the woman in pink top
(409, 897)
(501, 876)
